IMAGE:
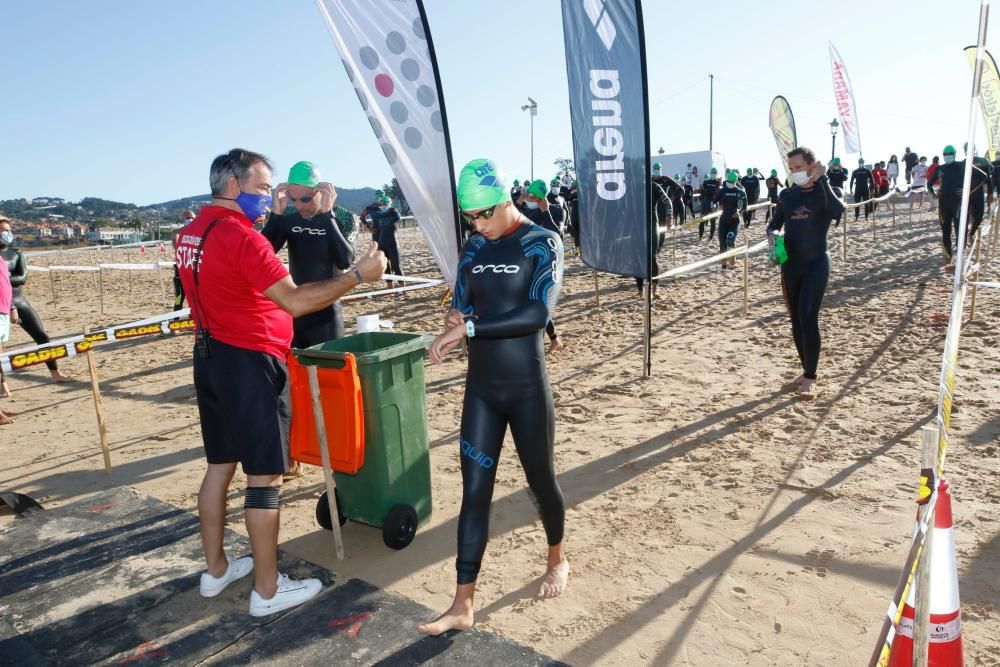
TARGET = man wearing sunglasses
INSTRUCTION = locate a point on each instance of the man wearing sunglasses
(303, 217)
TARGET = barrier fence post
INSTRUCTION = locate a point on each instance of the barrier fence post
(129, 276)
(597, 289)
(844, 244)
(975, 276)
(163, 292)
(746, 274)
(874, 218)
(994, 232)
(93, 263)
(922, 579)
(893, 214)
(95, 390)
(52, 284)
(673, 250)
(100, 278)
(331, 484)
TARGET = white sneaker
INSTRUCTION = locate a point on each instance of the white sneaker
(212, 586)
(291, 593)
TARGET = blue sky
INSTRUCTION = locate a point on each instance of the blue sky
(131, 100)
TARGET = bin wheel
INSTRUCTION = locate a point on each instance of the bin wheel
(323, 512)
(399, 527)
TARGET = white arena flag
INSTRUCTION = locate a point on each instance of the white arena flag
(386, 48)
(844, 95)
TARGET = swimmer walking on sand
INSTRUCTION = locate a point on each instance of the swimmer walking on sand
(509, 276)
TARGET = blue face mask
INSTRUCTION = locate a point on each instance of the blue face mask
(253, 206)
(7, 237)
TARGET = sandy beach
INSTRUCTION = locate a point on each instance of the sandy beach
(713, 517)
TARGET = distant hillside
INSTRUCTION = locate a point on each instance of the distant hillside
(354, 199)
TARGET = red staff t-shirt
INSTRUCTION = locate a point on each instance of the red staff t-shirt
(237, 265)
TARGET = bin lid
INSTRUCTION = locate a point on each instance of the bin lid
(368, 348)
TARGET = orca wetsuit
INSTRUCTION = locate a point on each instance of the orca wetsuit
(545, 220)
(509, 289)
(751, 184)
(951, 176)
(772, 183)
(734, 203)
(806, 216)
(317, 250)
(709, 188)
(838, 176)
(30, 321)
(862, 185)
(385, 223)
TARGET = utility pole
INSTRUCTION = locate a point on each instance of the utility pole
(532, 108)
(711, 107)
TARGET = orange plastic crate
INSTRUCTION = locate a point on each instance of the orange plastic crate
(343, 413)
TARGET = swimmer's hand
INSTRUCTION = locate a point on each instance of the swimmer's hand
(453, 319)
(445, 343)
(373, 265)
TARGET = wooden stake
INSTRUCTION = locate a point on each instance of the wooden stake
(95, 390)
(893, 214)
(52, 284)
(597, 289)
(163, 291)
(331, 484)
(93, 263)
(844, 244)
(129, 277)
(100, 277)
(975, 276)
(922, 580)
(746, 274)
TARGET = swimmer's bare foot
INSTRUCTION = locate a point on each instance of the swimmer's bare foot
(5, 420)
(554, 581)
(458, 617)
(807, 389)
(555, 345)
(4, 390)
(59, 378)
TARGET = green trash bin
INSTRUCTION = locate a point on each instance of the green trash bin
(392, 489)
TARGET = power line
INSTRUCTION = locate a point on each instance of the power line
(678, 92)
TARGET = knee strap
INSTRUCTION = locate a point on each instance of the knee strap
(261, 498)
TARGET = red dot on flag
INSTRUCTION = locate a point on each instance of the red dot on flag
(384, 85)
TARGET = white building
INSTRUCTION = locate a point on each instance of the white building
(108, 235)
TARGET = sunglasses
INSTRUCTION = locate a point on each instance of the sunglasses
(301, 200)
(485, 214)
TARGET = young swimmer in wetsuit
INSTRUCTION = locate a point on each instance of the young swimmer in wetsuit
(709, 188)
(734, 207)
(509, 276)
(773, 184)
(537, 208)
(317, 249)
(27, 317)
(805, 211)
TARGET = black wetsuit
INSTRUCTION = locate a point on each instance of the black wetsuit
(509, 287)
(751, 183)
(676, 193)
(30, 321)
(544, 219)
(734, 203)
(838, 176)
(951, 177)
(806, 216)
(369, 222)
(317, 250)
(574, 216)
(910, 160)
(709, 188)
(662, 211)
(385, 235)
(862, 185)
(773, 183)
(689, 200)
(558, 209)
(178, 287)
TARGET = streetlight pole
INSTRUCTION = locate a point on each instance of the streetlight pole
(711, 107)
(532, 109)
(833, 134)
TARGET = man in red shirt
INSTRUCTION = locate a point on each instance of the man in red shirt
(243, 301)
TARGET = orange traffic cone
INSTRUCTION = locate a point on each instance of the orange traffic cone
(163, 251)
(142, 250)
(945, 636)
(902, 646)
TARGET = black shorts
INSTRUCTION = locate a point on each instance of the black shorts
(245, 409)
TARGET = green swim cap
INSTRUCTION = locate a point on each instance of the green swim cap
(714, 170)
(554, 181)
(385, 200)
(948, 150)
(378, 194)
(749, 172)
(836, 160)
(527, 182)
(481, 184)
(517, 183)
(657, 165)
(677, 177)
(732, 177)
(303, 173)
(538, 188)
(774, 172)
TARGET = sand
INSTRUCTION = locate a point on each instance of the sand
(713, 518)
